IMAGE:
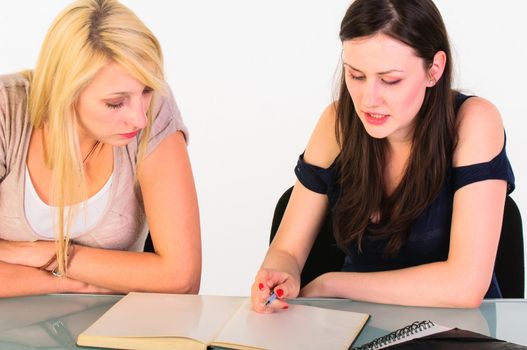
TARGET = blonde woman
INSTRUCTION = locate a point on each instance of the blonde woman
(92, 146)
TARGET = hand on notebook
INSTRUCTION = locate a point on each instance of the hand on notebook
(267, 282)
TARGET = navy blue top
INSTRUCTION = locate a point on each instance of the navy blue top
(430, 233)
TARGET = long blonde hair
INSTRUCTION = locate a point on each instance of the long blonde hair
(84, 37)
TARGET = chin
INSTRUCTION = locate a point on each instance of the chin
(376, 132)
(125, 142)
(377, 135)
(120, 141)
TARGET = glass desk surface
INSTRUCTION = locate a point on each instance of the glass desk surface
(54, 321)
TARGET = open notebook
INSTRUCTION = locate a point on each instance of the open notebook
(162, 321)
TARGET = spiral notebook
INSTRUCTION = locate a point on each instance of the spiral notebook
(430, 336)
(417, 329)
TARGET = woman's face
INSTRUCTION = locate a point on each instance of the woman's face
(112, 108)
(387, 83)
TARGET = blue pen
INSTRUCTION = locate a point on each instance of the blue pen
(270, 299)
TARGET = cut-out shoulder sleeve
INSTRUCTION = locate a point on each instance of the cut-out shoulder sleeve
(499, 168)
(315, 178)
(167, 121)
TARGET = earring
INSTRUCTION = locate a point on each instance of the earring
(431, 82)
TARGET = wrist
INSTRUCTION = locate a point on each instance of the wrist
(49, 265)
(52, 265)
(61, 271)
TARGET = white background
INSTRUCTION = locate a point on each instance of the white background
(251, 79)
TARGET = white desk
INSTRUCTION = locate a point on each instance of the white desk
(54, 321)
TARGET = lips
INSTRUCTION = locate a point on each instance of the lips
(130, 134)
(376, 118)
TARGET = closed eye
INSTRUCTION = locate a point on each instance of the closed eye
(114, 106)
(357, 77)
(391, 82)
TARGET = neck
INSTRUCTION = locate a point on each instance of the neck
(88, 147)
(400, 147)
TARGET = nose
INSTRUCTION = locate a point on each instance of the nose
(371, 96)
(137, 117)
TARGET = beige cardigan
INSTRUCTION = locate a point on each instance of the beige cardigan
(123, 224)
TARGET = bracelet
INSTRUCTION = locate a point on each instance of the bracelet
(71, 249)
(48, 263)
(55, 272)
(53, 260)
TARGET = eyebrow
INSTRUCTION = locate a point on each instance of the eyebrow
(380, 73)
(120, 93)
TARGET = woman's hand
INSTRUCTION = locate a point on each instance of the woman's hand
(32, 254)
(74, 286)
(268, 281)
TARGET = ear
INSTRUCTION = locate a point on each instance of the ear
(436, 69)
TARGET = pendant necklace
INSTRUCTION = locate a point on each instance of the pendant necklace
(91, 151)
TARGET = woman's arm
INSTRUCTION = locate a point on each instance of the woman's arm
(463, 279)
(169, 195)
(303, 216)
(167, 185)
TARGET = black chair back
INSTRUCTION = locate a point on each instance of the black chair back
(510, 261)
(149, 246)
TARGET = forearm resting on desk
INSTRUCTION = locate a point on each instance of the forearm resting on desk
(126, 271)
(436, 284)
(111, 270)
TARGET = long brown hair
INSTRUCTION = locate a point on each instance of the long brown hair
(362, 160)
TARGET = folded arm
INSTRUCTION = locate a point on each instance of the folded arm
(19, 280)
(167, 185)
(170, 201)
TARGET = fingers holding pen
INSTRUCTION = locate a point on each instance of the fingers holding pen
(269, 300)
(276, 300)
(270, 291)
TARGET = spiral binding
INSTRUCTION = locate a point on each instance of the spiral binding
(394, 336)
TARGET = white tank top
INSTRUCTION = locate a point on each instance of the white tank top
(41, 217)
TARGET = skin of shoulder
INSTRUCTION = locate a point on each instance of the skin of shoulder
(322, 148)
(480, 132)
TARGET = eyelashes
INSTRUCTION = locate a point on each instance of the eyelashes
(356, 78)
(114, 106)
(362, 78)
(393, 82)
